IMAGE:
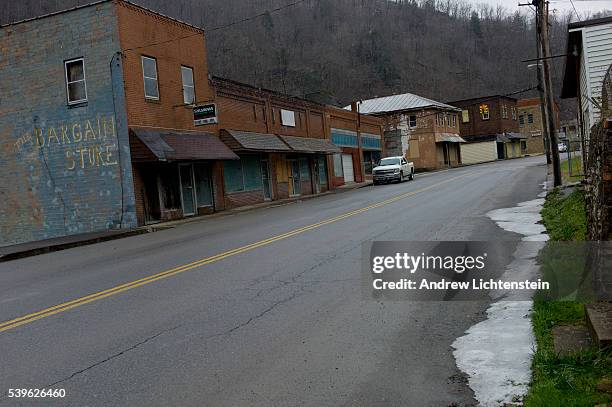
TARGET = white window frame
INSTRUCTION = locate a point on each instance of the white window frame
(287, 118)
(144, 78)
(84, 80)
(188, 86)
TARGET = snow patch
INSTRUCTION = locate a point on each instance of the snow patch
(496, 353)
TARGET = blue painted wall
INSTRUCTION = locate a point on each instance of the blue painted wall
(63, 170)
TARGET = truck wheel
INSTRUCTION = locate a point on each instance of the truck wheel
(411, 175)
(401, 179)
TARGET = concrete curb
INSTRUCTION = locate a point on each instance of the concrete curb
(9, 253)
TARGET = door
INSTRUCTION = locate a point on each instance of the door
(265, 179)
(316, 176)
(203, 184)
(294, 178)
(187, 189)
(347, 168)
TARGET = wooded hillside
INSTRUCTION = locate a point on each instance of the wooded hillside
(352, 49)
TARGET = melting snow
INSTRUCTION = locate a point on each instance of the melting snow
(496, 353)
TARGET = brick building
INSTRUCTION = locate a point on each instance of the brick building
(425, 131)
(108, 119)
(531, 124)
(489, 123)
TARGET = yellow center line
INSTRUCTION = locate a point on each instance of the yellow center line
(63, 307)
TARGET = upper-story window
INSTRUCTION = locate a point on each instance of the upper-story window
(149, 73)
(454, 120)
(188, 85)
(513, 113)
(440, 119)
(530, 118)
(504, 112)
(484, 111)
(521, 120)
(287, 118)
(76, 86)
(412, 121)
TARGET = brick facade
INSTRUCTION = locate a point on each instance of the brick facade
(65, 169)
(501, 120)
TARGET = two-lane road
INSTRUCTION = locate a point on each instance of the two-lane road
(262, 308)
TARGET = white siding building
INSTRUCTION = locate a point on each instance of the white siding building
(589, 55)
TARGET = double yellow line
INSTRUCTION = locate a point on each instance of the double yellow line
(63, 307)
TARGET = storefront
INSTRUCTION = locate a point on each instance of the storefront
(174, 173)
(274, 167)
(371, 145)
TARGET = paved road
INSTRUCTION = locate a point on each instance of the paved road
(280, 323)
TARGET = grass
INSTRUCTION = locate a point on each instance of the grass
(569, 380)
(576, 169)
(565, 217)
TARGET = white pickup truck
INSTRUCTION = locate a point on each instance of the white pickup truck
(393, 169)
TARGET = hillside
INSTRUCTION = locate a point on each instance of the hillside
(340, 50)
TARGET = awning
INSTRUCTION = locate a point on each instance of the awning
(173, 145)
(516, 136)
(249, 141)
(449, 137)
(310, 145)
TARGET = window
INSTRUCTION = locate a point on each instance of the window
(484, 111)
(75, 81)
(243, 175)
(530, 118)
(412, 121)
(440, 119)
(513, 113)
(188, 86)
(149, 73)
(465, 116)
(454, 119)
(338, 169)
(523, 146)
(287, 118)
(521, 120)
(504, 112)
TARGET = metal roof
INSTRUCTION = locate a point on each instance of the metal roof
(171, 145)
(310, 145)
(406, 101)
(250, 141)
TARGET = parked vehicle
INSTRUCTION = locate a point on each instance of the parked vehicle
(393, 169)
(562, 147)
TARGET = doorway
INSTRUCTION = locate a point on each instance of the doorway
(187, 189)
(266, 180)
(294, 178)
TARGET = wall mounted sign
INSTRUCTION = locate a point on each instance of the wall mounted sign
(205, 114)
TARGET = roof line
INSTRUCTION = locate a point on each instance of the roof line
(95, 3)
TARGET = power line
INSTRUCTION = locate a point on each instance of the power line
(221, 27)
(576, 11)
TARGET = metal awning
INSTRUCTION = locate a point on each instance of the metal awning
(449, 137)
(310, 145)
(173, 145)
(250, 141)
(516, 136)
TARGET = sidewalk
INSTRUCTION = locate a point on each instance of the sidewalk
(66, 242)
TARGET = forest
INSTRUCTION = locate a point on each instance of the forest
(336, 51)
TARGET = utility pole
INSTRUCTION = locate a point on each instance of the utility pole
(543, 108)
(542, 16)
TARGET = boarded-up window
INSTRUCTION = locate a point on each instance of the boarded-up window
(338, 171)
(232, 174)
(465, 116)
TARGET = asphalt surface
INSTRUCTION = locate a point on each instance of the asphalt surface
(282, 324)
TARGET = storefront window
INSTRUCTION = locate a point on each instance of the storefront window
(170, 188)
(338, 172)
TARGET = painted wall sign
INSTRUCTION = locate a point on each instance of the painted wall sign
(205, 114)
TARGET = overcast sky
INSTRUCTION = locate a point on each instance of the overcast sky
(584, 7)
